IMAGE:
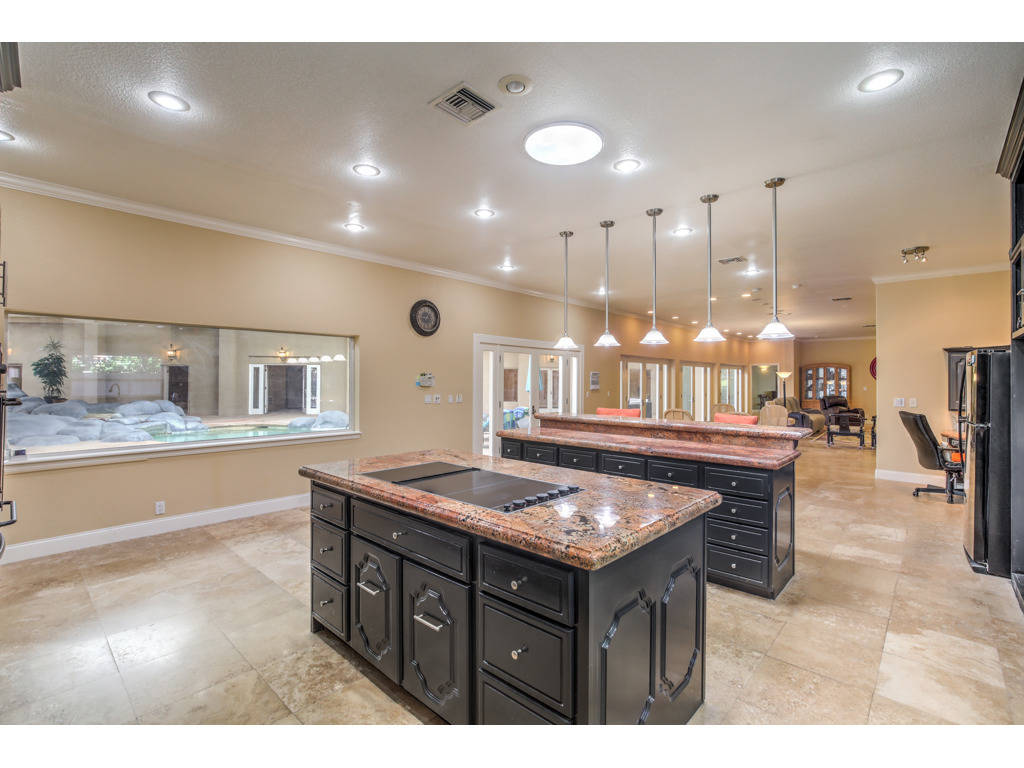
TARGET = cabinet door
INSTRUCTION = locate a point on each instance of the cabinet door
(436, 641)
(375, 605)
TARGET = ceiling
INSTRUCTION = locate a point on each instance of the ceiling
(275, 128)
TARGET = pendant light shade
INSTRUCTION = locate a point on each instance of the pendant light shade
(654, 336)
(775, 330)
(566, 341)
(606, 339)
(709, 333)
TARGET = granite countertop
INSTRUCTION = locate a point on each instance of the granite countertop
(609, 518)
(592, 421)
(712, 453)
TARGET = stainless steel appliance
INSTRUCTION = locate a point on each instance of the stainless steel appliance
(984, 420)
(481, 487)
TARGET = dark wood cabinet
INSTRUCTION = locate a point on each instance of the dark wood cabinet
(375, 609)
(760, 504)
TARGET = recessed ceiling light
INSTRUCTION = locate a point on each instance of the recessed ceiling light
(516, 85)
(675, 317)
(507, 266)
(751, 271)
(745, 295)
(353, 226)
(714, 298)
(693, 322)
(725, 330)
(682, 231)
(563, 144)
(5, 136)
(364, 169)
(797, 285)
(739, 333)
(483, 213)
(626, 166)
(880, 80)
(650, 311)
(169, 101)
(750, 335)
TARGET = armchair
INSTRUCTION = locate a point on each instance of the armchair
(835, 404)
(811, 418)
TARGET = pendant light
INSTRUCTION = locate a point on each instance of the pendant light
(775, 330)
(566, 341)
(606, 340)
(654, 336)
(709, 333)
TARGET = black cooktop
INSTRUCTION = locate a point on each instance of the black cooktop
(481, 487)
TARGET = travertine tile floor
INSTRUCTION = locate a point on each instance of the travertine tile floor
(884, 623)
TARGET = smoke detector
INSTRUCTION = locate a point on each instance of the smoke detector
(462, 103)
(516, 85)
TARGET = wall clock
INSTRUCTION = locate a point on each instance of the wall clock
(425, 317)
(874, 368)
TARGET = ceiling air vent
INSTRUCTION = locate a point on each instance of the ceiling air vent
(462, 103)
(732, 260)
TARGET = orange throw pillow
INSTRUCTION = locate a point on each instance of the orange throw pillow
(735, 418)
(619, 412)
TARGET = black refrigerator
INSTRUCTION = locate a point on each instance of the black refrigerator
(984, 420)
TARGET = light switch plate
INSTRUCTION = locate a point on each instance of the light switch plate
(437, 398)
(913, 402)
(428, 399)
(897, 402)
(451, 398)
(458, 398)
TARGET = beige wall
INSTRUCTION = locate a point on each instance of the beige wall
(856, 353)
(915, 321)
(62, 257)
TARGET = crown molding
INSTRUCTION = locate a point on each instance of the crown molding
(98, 200)
(980, 269)
(806, 340)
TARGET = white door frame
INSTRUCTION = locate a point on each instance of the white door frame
(308, 394)
(480, 340)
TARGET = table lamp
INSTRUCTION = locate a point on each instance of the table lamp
(783, 375)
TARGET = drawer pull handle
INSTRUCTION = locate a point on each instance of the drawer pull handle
(396, 534)
(733, 566)
(574, 461)
(371, 590)
(518, 652)
(433, 626)
(733, 510)
(326, 602)
(325, 507)
(325, 550)
(733, 537)
(620, 467)
(668, 474)
(517, 583)
(733, 483)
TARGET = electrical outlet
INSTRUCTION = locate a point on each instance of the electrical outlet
(897, 402)
(428, 399)
(458, 398)
(159, 508)
(913, 402)
(451, 399)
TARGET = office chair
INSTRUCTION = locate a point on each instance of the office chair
(933, 456)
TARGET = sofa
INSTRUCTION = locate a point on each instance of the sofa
(811, 418)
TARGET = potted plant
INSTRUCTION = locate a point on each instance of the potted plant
(52, 371)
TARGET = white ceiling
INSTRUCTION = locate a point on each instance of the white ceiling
(274, 130)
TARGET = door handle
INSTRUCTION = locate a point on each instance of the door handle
(369, 589)
(431, 625)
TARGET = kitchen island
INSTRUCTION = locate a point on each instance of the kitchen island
(579, 600)
(750, 534)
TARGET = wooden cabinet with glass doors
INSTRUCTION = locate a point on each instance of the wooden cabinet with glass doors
(821, 379)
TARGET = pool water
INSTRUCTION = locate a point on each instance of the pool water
(227, 433)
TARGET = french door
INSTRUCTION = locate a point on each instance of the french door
(696, 390)
(258, 389)
(646, 385)
(515, 380)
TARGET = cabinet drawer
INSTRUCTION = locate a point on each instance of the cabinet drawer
(742, 511)
(675, 472)
(735, 482)
(739, 536)
(540, 454)
(578, 458)
(329, 506)
(539, 587)
(626, 466)
(436, 642)
(511, 449)
(526, 652)
(738, 565)
(500, 704)
(441, 549)
(328, 548)
(330, 603)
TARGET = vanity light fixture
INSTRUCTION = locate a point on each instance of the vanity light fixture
(353, 226)
(606, 339)
(563, 144)
(303, 359)
(282, 353)
(775, 330)
(172, 352)
(654, 336)
(5, 136)
(484, 213)
(169, 101)
(709, 333)
(292, 360)
(565, 342)
(339, 358)
(365, 169)
(880, 80)
(628, 165)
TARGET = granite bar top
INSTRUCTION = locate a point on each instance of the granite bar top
(609, 518)
(753, 435)
(711, 453)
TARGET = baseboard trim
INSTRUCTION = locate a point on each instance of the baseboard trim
(56, 545)
(917, 478)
